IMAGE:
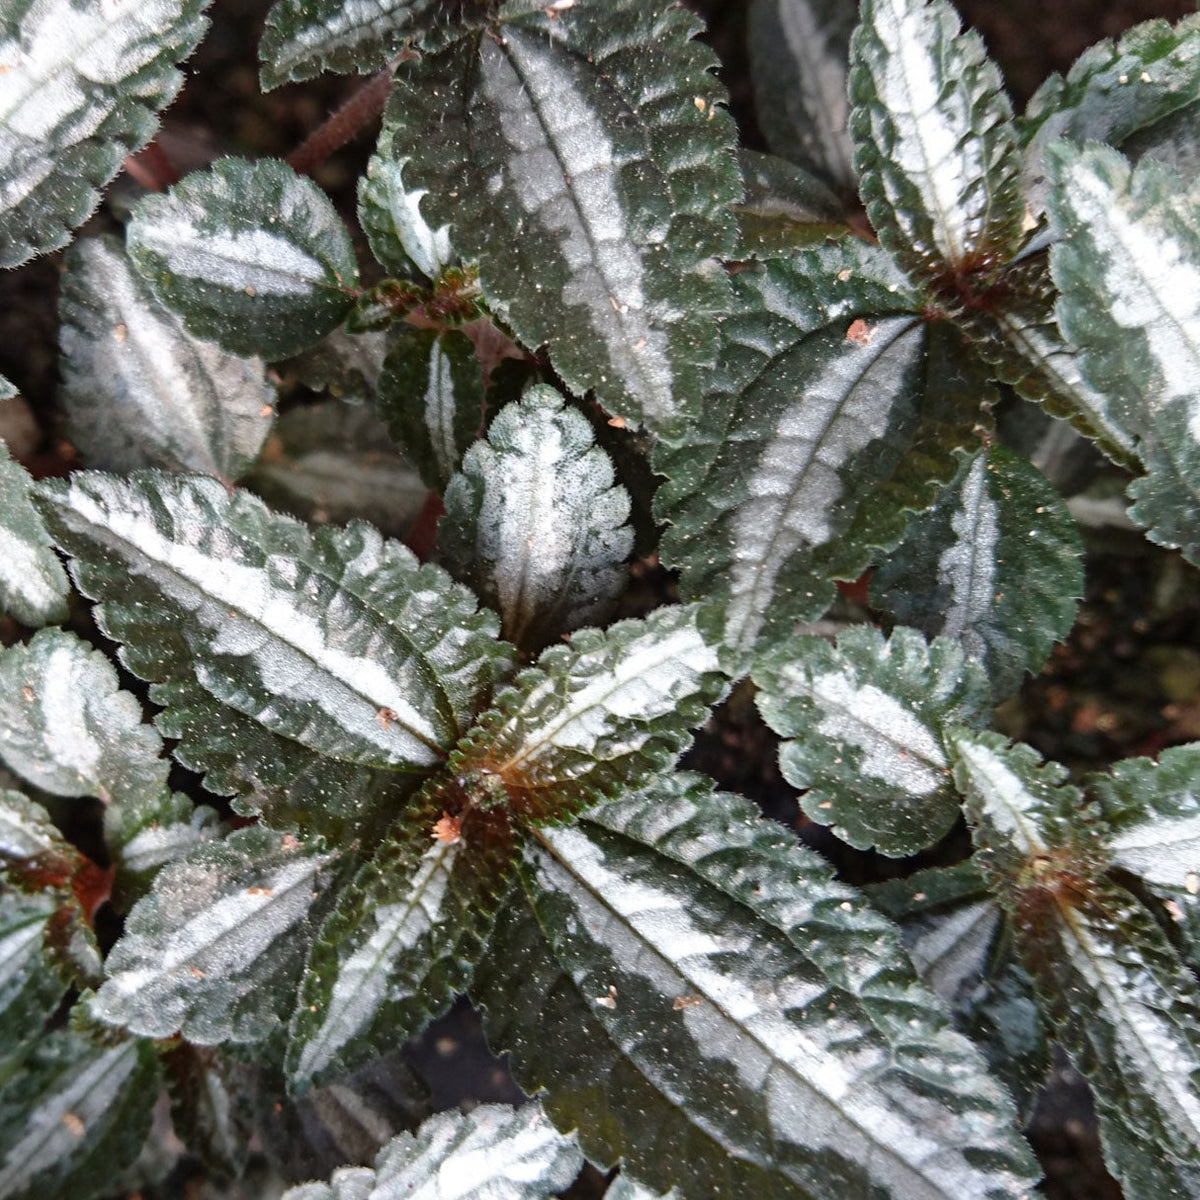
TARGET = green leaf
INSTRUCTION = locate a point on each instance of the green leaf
(31, 984)
(1114, 91)
(705, 1002)
(1111, 986)
(7, 389)
(75, 1116)
(594, 714)
(250, 255)
(580, 155)
(390, 214)
(800, 59)
(345, 365)
(397, 947)
(26, 830)
(334, 639)
(784, 208)
(33, 585)
(1129, 273)
(82, 85)
(934, 142)
(214, 950)
(827, 419)
(864, 723)
(432, 400)
(996, 565)
(492, 1151)
(138, 390)
(534, 523)
(303, 38)
(210, 1106)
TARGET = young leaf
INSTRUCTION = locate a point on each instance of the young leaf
(703, 1001)
(800, 54)
(214, 950)
(595, 713)
(81, 88)
(1129, 272)
(335, 639)
(1111, 986)
(834, 410)
(75, 1116)
(534, 523)
(400, 942)
(864, 724)
(996, 565)
(578, 151)
(33, 585)
(390, 214)
(31, 984)
(140, 391)
(250, 255)
(934, 141)
(302, 39)
(492, 1151)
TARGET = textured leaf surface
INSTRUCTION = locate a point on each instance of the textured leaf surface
(81, 88)
(827, 419)
(996, 565)
(534, 523)
(705, 1002)
(578, 152)
(250, 255)
(26, 830)
(390, 214)
(599, 711)
(302, 39)
(75, 1116)
(783, 207)
(140, 391)
(31, 986)
(336, 640)
(800, 55)
(493, 1151)
(864, 724)
(33, 585)
(211, 1109)
(214, 948)
(934, 142)
(1129, 272)
(1111, 986)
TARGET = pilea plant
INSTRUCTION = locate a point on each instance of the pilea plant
(598, 330)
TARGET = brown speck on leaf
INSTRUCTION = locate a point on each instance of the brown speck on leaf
(448, 830)
(195, 972)
(266, 411)
(686, 1002)
(385, 717)
(73, 1123)
(617, 422)
(700, 103)
(843, 275)
(860, 333)
(257, 891)
(1192, 883)
(121, 332)
(27, 694)
(249, 290)
(1173, 908)
(609, 1001)
(290, 842)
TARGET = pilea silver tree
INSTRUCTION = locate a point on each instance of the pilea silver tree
(424, 780)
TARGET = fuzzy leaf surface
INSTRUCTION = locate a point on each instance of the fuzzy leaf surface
(864, 724)
(75, 1116)
(26, 830)
(138, 389)
(1111, 986)
(82, 86)
(492, 1151)
(784, 207)
(835, 408)
(390, 214)
(1129, 273)
(599, 711)
(31, 985)
(996, 565)
(534, 523)
(335, 639)
(934, 143)
(214, 949)
(33, 585)
(800, 55)
(580, 155)
(706, 1003)
(249, 254)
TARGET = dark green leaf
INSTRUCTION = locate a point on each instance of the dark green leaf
(214, 950)
(250, 255)
(139, 391)
(81, 89)
(995, 565)
(784, 208)
(934, 141)
(864, 724)
(75, 1116)
(534, 524)
(580, 153)
(33, 585)
(210, 1106)
(706, 1003)
(31, 984)
(345, 365)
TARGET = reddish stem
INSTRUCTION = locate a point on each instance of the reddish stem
(423, 535)
(151, 168)
(363, 107)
